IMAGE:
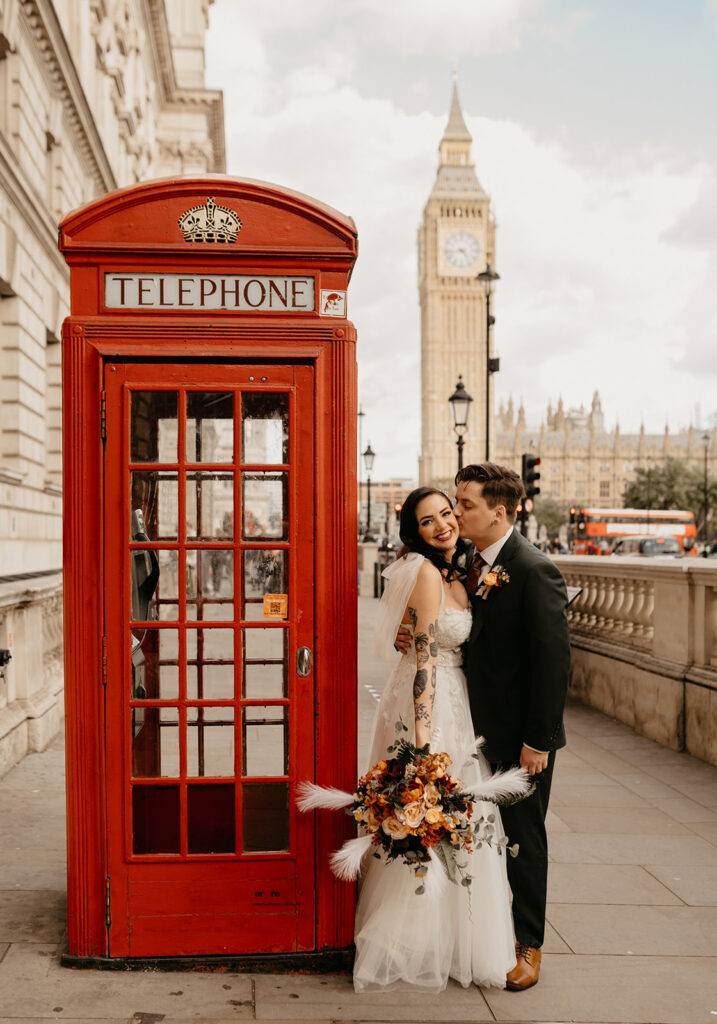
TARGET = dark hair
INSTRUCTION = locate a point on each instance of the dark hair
(413, 541)
(501, 485)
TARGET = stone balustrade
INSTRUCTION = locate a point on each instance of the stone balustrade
(31, 685)
(644, 641)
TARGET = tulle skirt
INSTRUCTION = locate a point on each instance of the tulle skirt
(466, 933)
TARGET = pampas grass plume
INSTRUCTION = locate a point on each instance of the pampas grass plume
(309, 797)
(346, 862)
(513, 782)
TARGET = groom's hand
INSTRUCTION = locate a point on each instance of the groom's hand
(533, 761)
(403, 639)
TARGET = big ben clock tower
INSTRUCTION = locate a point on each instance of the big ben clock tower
(456, 241)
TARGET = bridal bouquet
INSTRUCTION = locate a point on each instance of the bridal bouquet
(411, 809)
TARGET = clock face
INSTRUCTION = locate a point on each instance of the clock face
(461, 249)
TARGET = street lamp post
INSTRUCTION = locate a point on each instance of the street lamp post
(368, 456)
(487, 278)
(705, 486)
(460, 402)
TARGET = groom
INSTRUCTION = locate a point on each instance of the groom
(517, 662)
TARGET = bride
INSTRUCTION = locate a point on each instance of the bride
(467, 932)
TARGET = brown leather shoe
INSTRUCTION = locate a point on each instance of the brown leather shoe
(526, 971)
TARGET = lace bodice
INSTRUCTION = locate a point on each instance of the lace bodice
(454, 627)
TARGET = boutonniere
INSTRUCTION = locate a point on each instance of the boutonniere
(495, 577)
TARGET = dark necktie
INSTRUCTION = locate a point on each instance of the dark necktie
(471, 581)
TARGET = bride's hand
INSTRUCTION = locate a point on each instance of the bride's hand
(403, 639)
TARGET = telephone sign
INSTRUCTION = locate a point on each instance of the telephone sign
(209, 395)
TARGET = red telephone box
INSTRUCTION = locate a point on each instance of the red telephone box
(210, 570)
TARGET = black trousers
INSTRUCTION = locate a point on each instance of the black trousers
(524, 823)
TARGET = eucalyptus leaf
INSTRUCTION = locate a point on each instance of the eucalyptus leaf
(465, 882)
(514, 850)
(420, 890)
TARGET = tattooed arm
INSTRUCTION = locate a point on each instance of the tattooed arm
(422, 612)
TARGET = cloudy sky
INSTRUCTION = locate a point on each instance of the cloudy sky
(593, 130)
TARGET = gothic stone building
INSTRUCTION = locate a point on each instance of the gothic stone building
(582, 463)
(94, 95)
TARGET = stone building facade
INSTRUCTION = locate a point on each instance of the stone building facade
(582, 462)
(94, 95)
(456, 241)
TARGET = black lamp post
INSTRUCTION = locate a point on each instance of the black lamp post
(487, 278)
(705, 486)
(368, 456)
(460, 405)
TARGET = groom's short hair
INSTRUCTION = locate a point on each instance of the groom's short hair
(501, 485)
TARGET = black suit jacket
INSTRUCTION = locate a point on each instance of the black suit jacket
(517, 659)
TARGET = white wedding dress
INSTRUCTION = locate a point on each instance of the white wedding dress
(465, 933)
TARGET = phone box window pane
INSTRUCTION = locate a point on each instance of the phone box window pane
(265, 682)
(210, 506)
(152, 677)
(211, 644)
(153, 426)
(154, 577)
(265, 572)
(265, 816)
(155, 494)
(210, 426)
(211, 819)
(210, 742)
(264, 506)
(210, 573)
(155, 745)
(265, 741)
(155, 819)
(265, 428)
(210, 682)
(265, 644)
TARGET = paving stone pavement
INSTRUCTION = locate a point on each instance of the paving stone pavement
(632, 914)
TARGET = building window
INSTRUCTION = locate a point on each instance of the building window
(604, 488)
(580, 489)
(604, 467)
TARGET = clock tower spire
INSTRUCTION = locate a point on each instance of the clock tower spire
(456, 241)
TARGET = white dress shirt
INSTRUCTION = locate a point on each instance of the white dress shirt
(490, 554)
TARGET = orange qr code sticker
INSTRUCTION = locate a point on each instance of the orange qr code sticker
(276, 606)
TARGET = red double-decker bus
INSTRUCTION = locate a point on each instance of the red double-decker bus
(593, 531)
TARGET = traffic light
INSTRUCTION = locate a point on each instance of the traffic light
(530, 475)
(573, 512)
(397, 509)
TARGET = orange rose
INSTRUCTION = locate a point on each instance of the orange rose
(393, 828)
(371, 820)
(434, 815)
(431, 795)
(411, 815)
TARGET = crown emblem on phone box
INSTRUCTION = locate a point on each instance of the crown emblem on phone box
(209, 223)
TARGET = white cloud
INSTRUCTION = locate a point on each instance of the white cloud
(605, 271)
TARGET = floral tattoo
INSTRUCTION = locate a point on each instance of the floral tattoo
(424, 681)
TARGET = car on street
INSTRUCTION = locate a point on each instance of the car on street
(649, 547)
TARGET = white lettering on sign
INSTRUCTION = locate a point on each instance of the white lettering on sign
(209, 291)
